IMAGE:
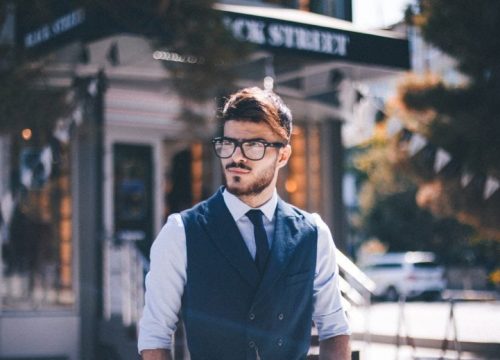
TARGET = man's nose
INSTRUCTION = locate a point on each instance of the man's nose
(238, 154)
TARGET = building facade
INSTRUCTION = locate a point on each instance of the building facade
(80, 209)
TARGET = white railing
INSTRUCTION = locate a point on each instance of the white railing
(356, 287)
(124, 269)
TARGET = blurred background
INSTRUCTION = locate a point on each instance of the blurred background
(107, 109)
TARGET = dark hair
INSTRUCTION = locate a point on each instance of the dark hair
(255, 104)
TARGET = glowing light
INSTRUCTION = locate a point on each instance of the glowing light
(268, 83)
(291, 186)
(26, 134)
(176, 57)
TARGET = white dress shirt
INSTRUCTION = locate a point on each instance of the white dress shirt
(167, 276)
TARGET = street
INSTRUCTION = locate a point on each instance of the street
(427, 325)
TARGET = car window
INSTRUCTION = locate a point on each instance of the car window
(425, 265)
(386, 266)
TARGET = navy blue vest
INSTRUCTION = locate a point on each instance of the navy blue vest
(230, 313)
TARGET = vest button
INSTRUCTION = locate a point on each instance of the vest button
(251, 316)
(279, 342)
(281, 316)
(251, 344)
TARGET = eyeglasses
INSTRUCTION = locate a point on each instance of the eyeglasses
(251, 149)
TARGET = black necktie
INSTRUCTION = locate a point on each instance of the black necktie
(261, 243)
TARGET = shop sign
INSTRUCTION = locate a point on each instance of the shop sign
(59, 26)
(368, 48)
(288, 35)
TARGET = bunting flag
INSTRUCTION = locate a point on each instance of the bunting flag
(417, 143)
(393, 126)
(46, 159)
(442, 158)
(78, 115)
(490, 187)
(466, 178)
(36, 167)
(62, 130)
(92, 88)
(7, 207)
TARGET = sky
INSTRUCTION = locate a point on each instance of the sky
(371, 14)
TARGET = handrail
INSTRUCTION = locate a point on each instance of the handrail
(353, 272)
(355, 286)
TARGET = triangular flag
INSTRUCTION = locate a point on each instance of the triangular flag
(46, 159)
(393, 126)
(7, 207)
(78, 115)
(490, 186)
(443, 157)
(417, 143)
(92, 88)
(61, 130)
(466, 178)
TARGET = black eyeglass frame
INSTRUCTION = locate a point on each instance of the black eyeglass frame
(238, 143)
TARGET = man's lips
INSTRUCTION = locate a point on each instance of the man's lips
(238, 171)
(238, 168)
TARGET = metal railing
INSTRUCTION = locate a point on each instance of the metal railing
(356, 287)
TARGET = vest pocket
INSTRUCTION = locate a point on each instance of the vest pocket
(297, 278)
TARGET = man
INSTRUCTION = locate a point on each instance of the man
(248, 271)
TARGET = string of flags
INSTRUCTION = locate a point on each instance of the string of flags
(442, 158)
(357, 95)
(417, 142)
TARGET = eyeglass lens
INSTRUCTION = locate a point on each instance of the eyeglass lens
(253, 150)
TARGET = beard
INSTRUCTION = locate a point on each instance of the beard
(264, 179)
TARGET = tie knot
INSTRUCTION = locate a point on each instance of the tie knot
(255, 217)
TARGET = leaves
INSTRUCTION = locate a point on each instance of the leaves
(26, 102)
(463, 120)
(187, 27)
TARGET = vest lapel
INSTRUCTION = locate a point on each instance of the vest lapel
(224, 233)
(286, 238)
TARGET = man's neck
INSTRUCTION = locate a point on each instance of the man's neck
(258, 200)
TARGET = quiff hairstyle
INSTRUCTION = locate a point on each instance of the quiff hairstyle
(257, 105)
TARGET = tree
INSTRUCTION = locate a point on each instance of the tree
(187, 27)
(389, 211)
(461, 120)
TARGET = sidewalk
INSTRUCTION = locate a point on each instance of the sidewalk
(427, 325)
(375, 351)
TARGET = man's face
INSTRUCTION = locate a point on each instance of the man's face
(246, 177)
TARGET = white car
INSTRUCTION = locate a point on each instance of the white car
(408, 274)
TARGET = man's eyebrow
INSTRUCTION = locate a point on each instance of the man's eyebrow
(240, 140)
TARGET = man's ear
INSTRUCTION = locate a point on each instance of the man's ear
(284, 155)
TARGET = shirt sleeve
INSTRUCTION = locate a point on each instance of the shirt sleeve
(329, 314)
(164, 286)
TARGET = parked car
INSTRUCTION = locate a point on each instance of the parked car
(409, 274)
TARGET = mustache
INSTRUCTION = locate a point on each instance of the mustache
(238, 165)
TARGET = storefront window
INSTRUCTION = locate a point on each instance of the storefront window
(303, 182)
(36, 225)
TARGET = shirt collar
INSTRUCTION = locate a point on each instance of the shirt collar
(238, 208)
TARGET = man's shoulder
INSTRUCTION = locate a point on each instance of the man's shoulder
(293, 210)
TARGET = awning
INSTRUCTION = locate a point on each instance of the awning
(289, 30)
(315, 35)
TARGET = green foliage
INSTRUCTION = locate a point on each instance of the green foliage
(463, 120)
(467, 31)
(389, 212)
(27, 102)
(187, 27)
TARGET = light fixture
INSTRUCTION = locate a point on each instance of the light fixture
(26, 134)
